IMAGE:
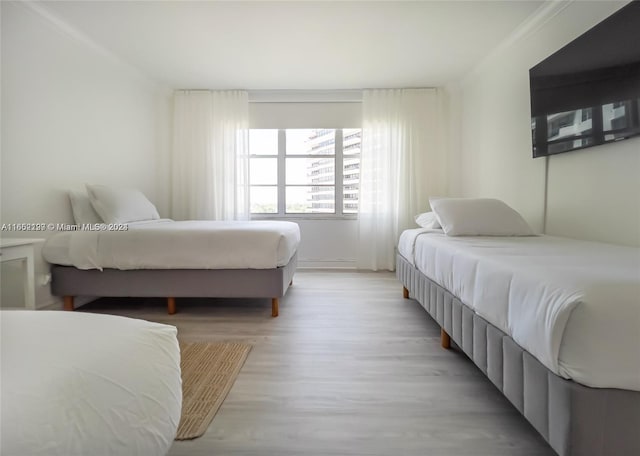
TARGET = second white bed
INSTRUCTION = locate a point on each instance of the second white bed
(574, 305)
(165, 244)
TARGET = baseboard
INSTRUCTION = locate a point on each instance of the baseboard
(58, 304)
(53, 304)
(322, 264)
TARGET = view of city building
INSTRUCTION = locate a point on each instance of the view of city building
(352, 140)
(310, 182)
(321, 172)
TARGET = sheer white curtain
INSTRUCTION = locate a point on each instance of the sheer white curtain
(402, 164)
(210, 157)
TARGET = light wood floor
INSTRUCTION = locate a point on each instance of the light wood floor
(348, 368)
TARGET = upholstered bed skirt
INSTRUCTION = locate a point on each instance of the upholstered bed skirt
(193, 283)
(69, 282)
(574, 419)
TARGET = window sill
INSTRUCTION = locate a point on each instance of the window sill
(303, 217)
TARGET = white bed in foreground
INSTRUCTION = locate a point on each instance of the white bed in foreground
(84, 384)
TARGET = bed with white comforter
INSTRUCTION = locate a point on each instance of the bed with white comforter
(554, 323)
(85, 384)
(574, 305)
(165, 258)
(167, 244)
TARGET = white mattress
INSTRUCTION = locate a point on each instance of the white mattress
(574, 305)
(165, 244)
(85, 384)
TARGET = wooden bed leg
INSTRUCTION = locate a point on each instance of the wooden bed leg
(68, 303)
(171, 305)
(405, 293)
(445, 340)
(274, 307)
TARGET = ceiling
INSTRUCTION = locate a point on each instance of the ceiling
(300, 45)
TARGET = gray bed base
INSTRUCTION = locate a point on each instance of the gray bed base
(69, 282)
(574, 419)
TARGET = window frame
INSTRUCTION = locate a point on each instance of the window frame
(339, 213)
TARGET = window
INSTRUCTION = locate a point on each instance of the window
(301, 172)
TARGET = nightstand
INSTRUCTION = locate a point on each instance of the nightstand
(22, 249)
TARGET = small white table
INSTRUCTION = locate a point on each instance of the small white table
(22, 249)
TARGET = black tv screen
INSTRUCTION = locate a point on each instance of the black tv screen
(588, 92)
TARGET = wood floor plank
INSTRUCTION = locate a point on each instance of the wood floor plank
(348, 368)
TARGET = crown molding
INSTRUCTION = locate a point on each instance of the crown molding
(39, 8)
(535, 22)
(532, 24)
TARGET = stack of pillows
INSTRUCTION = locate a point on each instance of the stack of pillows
(474, 217)
(103, 204)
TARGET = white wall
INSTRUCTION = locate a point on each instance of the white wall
(305, 115)
(327, 243)
(595, 193)
(72, 114)
(494, 152)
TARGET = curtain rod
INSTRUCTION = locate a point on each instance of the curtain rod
(305, 96)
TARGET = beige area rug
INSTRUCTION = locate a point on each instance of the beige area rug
(208, 373)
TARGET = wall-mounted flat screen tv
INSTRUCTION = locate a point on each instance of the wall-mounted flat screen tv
(588, 93)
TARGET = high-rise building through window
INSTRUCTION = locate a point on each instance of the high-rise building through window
(305, 171)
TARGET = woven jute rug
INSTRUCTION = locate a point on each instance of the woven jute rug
(208, 373)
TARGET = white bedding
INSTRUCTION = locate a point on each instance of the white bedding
(407, 242)
(165, 244)
(574, 305)
(84, 384)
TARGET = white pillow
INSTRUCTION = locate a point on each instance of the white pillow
(121, 205)
(478, 217)
(427, 220)
(83, 211)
